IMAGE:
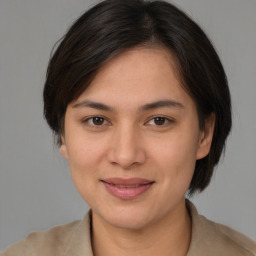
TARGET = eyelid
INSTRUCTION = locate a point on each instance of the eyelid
(168, 119)
(87, 119)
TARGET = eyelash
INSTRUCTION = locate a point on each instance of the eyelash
(162, 118)
(91, 119)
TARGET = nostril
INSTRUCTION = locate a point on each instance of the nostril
(126, 159)
(126, 149)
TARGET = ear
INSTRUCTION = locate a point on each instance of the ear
(63, 148)
(206, 135)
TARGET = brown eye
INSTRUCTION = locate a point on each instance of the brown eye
(160, 120)
(98, 120)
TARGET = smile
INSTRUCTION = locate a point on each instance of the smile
(127, 189)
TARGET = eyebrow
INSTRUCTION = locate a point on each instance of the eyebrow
(95, 105)
(161, 104)
(154, 105)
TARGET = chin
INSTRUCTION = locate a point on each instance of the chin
(130, 218)
(132, 223)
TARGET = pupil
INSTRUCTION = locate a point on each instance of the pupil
(98, 120)
(159, 120)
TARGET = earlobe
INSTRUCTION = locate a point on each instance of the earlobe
(63, 151)
(63, 148)
(206, 137)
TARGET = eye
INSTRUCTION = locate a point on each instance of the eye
(159, 121)
(96, 121)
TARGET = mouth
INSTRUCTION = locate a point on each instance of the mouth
(127, 189)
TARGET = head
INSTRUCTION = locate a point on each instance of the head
(114, 27)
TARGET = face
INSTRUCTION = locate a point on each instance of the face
(132, 139)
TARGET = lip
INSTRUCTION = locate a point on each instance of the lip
(127, 189)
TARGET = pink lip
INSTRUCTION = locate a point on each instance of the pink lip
(127, 188)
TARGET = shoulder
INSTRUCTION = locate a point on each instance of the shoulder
(228, 240)
(54, 241)
(237, 238)
(211, 238)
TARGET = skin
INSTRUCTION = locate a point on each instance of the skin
(129, 142)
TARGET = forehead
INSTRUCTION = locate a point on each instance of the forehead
(137, 75)
(136, 62)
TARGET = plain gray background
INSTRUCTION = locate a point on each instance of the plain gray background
(36, 191)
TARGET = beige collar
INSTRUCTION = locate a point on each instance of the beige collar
(80, 243)
(211, 239)
(208, 238)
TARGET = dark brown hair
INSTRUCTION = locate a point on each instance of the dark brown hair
(114, 26)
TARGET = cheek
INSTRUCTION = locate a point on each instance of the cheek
(176, 157)
(84, 150)
(86, 156)
(83, 168)
(81, 158)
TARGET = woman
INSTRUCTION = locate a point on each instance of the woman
(139, 102)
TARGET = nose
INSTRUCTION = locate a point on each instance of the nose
(126, 148)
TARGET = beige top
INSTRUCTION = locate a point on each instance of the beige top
(73, 239)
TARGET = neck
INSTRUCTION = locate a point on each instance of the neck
(168, 236)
